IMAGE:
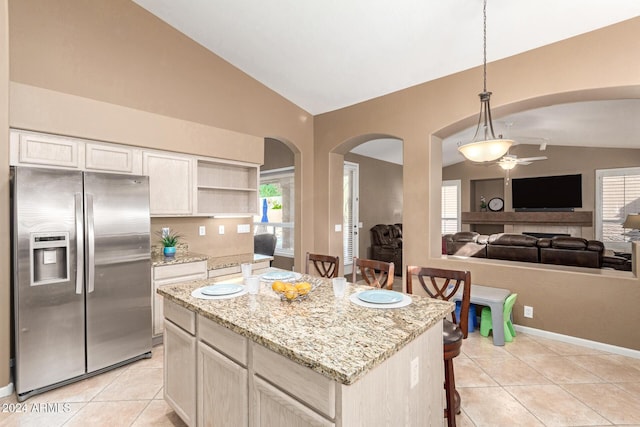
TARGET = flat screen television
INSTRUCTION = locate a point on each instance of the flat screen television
(554, 193)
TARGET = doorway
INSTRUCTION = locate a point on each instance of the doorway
(350, 214)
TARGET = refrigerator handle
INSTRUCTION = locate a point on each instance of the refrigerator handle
(90, 245)
(79, 244)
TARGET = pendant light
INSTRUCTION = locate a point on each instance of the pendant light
(485, 147)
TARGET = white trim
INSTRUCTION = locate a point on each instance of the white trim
(6, 390)
(622, 351)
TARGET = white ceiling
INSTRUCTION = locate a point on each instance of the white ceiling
(326, 55)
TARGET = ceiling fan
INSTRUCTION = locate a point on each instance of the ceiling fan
(509, 161)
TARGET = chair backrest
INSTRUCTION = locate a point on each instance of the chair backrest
(375, 273)
(508, 306)
(265, 244)
(445, 284)
(325, 265)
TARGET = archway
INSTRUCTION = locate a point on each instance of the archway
(378, 161)
(280, 199)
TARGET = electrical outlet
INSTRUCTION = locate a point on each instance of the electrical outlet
(202, 230)
(338, 228)
(415, 372)
(165, 231)
(528, 312)
(221, 229)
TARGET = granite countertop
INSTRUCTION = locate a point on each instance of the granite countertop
(335, 338)
(213, 262)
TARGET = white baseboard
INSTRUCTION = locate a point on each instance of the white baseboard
(622, 351)
(6, 390)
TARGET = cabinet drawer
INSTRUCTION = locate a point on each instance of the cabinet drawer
(180, 316)
(223, 339)
(225, 271)
(310, 387)
(185, 272)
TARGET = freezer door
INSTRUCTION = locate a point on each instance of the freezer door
(118, 268)
(47, 278)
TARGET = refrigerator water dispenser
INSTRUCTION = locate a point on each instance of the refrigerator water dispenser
(49, 258)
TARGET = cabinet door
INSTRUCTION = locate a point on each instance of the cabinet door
(272, 407)
(103, 157)
(223, 390)
(45, 150)
(180, 372)
(170, 183)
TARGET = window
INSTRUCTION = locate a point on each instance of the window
(451, 206)
(277, 206)
(617, 195)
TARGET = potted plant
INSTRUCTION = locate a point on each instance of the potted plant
(169, 241)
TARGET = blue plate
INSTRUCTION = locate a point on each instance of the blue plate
(221, 289)
(380, 296)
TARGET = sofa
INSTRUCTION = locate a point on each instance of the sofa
(558, 250)
(386, 244)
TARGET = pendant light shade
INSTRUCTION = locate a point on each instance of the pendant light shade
(485, 147)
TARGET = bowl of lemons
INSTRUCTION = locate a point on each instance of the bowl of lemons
(292, 291)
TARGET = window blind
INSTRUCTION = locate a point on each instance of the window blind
(450, 207)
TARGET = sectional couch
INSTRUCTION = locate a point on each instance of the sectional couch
(559, 250)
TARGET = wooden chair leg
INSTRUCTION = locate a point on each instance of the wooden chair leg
(452, 407)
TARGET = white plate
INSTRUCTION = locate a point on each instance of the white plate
(380, 296)
(221, 289)
(278, 275)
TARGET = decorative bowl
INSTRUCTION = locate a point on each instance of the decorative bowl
(292, 292)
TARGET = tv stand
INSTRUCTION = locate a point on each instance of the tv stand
(544, 210)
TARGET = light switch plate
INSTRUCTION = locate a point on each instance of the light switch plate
(202, 230)
(165, 231)
(244, 228)
(338, 228)
(221, 229)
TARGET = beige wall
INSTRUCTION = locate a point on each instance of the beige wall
(5, 303)
(593, 66)
(111, 71)
(562, 160)
(276, 155)
(380, 196)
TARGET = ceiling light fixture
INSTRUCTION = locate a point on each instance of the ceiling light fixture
(489, 148)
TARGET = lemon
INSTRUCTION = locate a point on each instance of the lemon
(278, 286)
(303, 288)
(290, 294)
(289, 287)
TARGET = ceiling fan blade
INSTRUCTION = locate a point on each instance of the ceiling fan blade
(531, 159)
(524, 163)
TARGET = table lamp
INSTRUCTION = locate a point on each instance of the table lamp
(632, 222)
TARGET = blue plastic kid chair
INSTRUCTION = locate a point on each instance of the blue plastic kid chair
(486, 324)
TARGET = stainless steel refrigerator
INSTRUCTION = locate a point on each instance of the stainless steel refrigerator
(81, 274)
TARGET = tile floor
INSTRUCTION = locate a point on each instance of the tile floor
(530, 382)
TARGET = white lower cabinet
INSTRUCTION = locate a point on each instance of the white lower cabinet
(272, 407)
(180, 372)
(223, 395)
(172, 273)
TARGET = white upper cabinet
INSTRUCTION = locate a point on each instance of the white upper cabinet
(180, 184)
(111, 158)
(170, 183)
(47, 150)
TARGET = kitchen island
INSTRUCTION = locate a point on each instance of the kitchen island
(256, 360)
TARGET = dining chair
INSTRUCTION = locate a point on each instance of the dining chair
(324, 265)
(374, 273)
(444, 284)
